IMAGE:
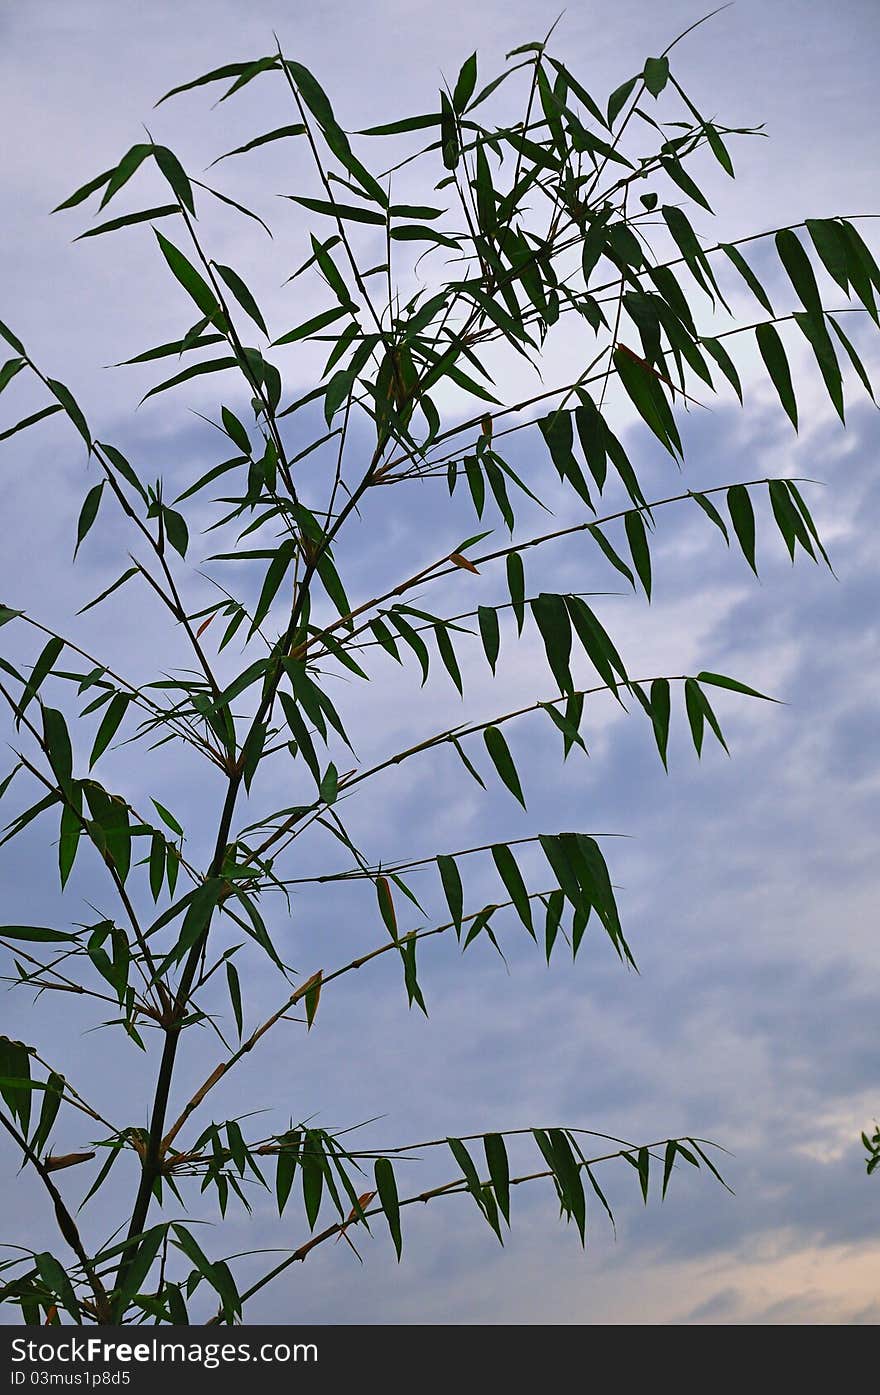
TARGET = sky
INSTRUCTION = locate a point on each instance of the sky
(748, 886)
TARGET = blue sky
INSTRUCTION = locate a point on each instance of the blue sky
(748, 887)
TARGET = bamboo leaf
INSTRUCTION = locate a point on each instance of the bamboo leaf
(281, 133)
(194, 284)
(30, 421)
(116, 710)
(386, 1186)
(637, 538)
(503, 762)
(452, 888)
(800, 273)
(742, 516)
(513, 884)
(487, 619)
(242, 295)
(499, 1171)
(88, 514)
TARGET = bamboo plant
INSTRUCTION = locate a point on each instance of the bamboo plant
(559, 215)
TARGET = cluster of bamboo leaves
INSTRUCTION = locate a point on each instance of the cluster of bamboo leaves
(575, 211)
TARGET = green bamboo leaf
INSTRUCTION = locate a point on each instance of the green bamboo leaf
(176, 175)
(143, 1258)
(724, 361)
(157, 865)
(449, 142)
(516, 588)
(801, 506)
(668, 1164)
(646, 395)
(128, 165)
(275, 574)
(281, 133)
(234, 429)
(619, 98)
(469, 1171)
(660, 712)
(776, 363)
(176, 530)
(118, 460)
(214, 365)
(503, 762)
(829, 241)
(800, 273)
(88, 514)
(637, 537)
(596, 532)
(286, 1169)
(818, 338)
(487, 619)
(718, 680)
(695, 714)
(552, 619)
(194, 284)
(15, 827)
(567, 1173)
(514, 885)
(71, 407)
(679, 175)
(116, 710)
(412, 638)
(597, 643)
(167, 818)
(745, 271)
(403, 127)
(689, 245)
(386, 906)
(386, 1186)
(9, 370)
(788, 519)
(416, 232)
(83, 192)
(54, 1276)
(30, 421)
(354, 213)
(643, 1162)
(656, 75)
(465, 84)
(41, 671)
(568, 723)
(853, 357)
(35, 933)
(499, 1171)
(452, 888)
(216, 75)
(742, 516)
(313, 325)
(313, 1172)
(48, 1111)
(718, 148)
(242, 295)
(56, 739)
(447, 654)
(120, 581)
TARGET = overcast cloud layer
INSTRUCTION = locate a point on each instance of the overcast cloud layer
(749, 887)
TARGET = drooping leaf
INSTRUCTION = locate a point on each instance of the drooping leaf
(503, 762)
(776, 362)
(386, 1185)
(742, 516)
